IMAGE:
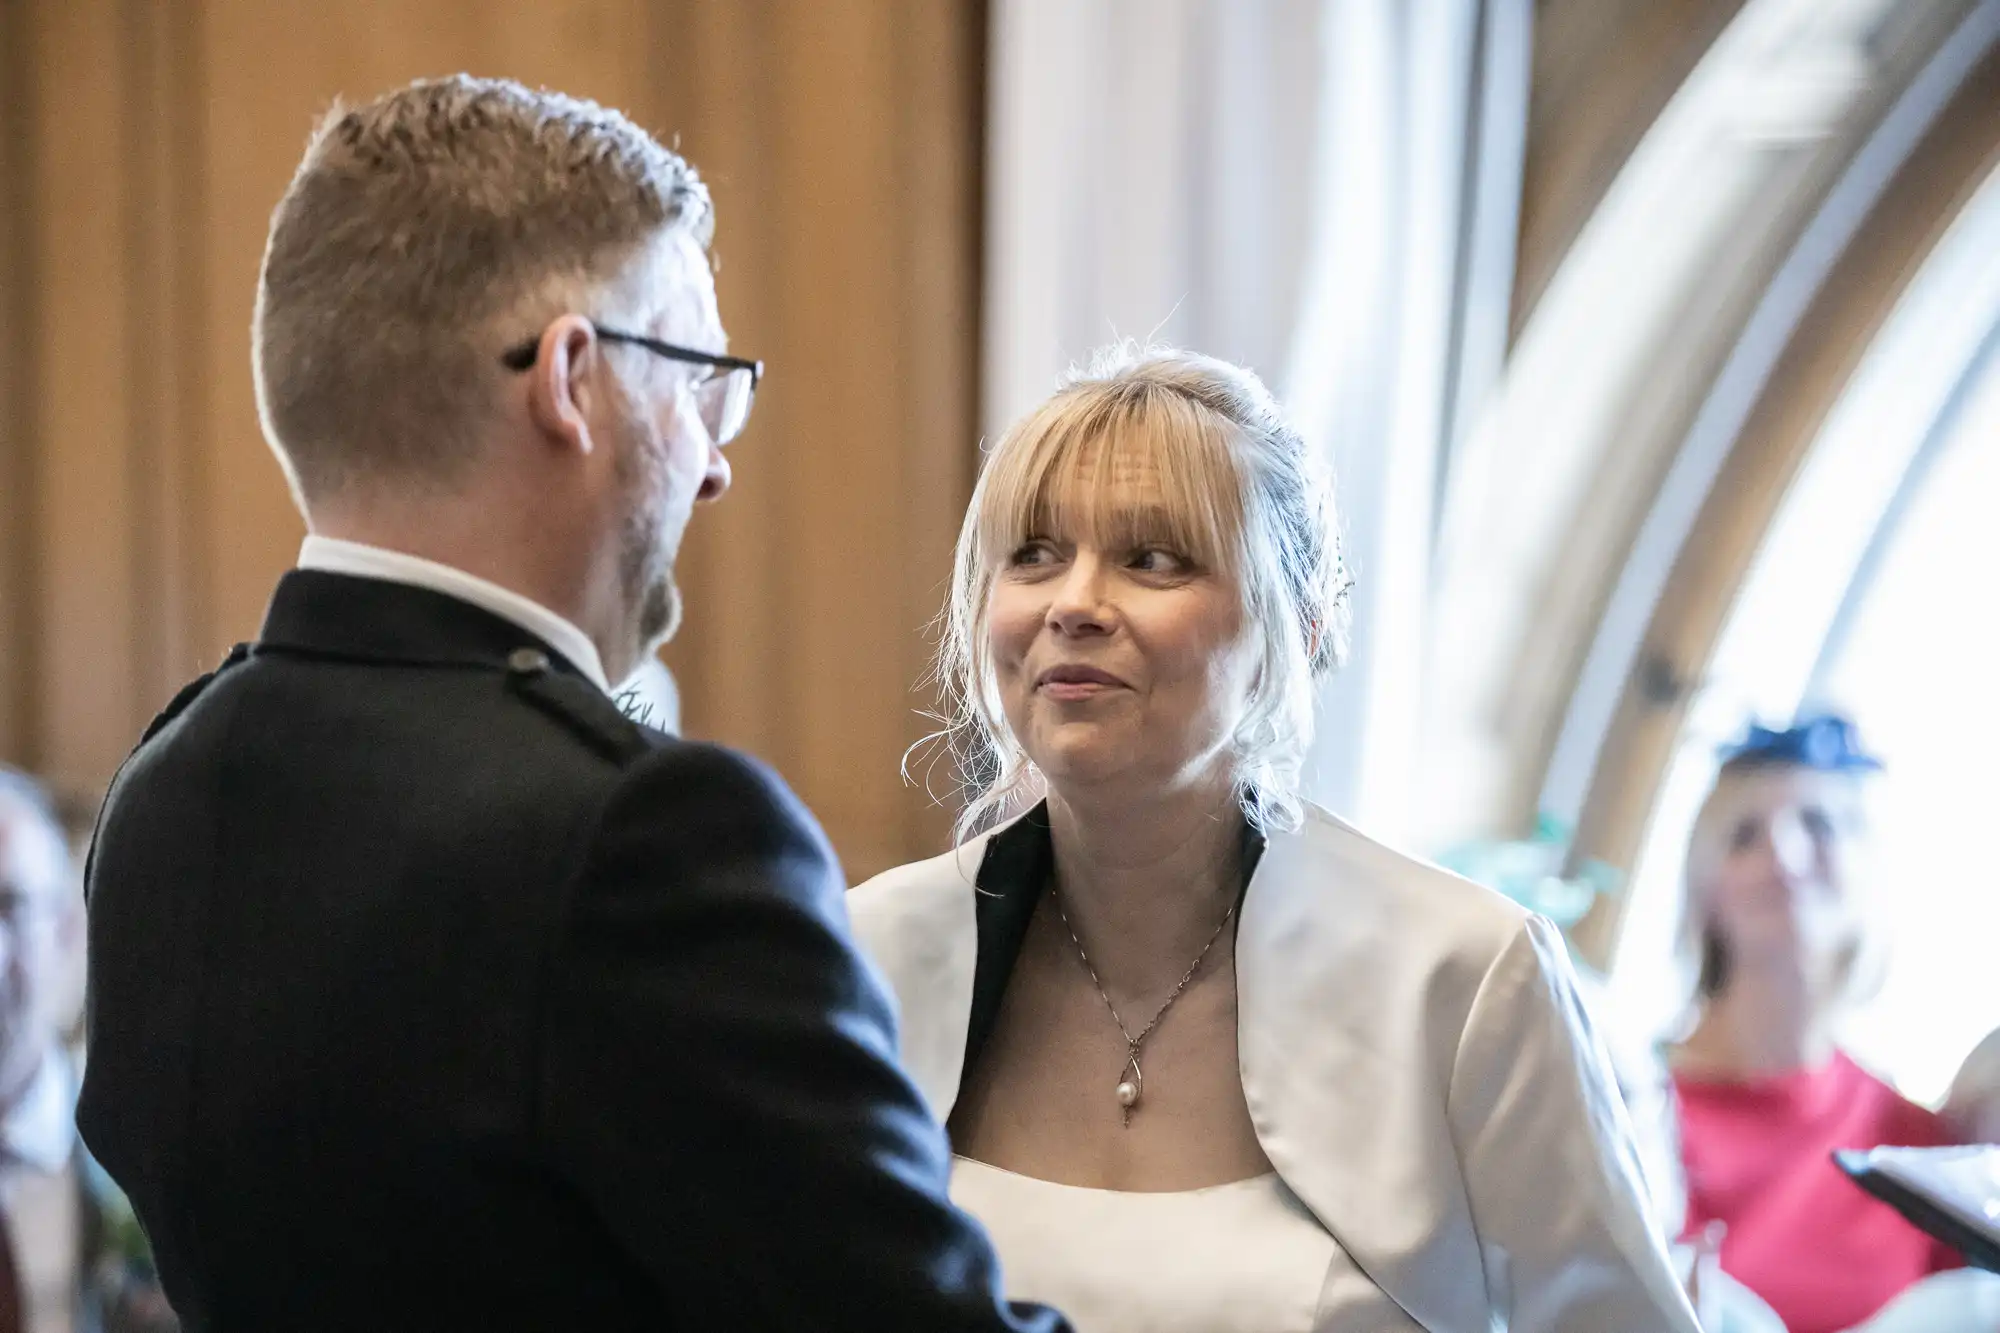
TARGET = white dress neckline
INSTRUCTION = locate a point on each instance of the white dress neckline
(1244, 1256)
(1245, 1184)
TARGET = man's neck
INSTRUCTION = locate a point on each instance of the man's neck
(528, 564)
(1145, 881)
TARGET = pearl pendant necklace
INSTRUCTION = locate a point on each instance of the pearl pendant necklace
(1131, 1079)
(1128, 1090)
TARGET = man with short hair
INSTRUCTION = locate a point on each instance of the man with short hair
(429, 990)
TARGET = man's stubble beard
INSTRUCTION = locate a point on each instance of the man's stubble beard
(659, 613)
(647, 561)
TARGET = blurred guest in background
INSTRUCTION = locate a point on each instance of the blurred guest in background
(1776, 937)
(71, 1258)
(1212, 1059)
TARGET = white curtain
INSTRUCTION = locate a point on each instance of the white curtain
(1149, 169)
(1322, 190)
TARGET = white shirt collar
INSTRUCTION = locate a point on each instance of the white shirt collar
(334, 556)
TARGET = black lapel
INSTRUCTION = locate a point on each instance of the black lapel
(1013, 875)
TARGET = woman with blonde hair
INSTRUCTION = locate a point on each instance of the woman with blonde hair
(1212, 1059)
(1777, 940)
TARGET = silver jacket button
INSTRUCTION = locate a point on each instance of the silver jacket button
(527, 661)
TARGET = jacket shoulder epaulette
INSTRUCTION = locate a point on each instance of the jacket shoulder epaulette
(175, 707)
(192, 691)
(595, 717)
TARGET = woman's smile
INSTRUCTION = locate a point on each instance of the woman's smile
(1076, 683)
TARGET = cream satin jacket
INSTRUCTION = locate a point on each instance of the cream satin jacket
(1415, 1057)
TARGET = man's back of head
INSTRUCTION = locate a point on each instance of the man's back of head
(421, 231)
(486, 336)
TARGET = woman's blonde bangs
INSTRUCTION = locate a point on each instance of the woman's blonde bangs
(1119, 466)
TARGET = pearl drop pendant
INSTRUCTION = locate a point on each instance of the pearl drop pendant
(1130, 1086)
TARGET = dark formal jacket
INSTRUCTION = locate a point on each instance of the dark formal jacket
(429, 991)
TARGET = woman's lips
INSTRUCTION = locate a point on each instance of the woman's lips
(1073, 683)
(1070, 691)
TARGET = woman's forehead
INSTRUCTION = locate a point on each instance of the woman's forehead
(1773, 793)
(1126, 488)
(1116, 475)
(1110, 467)
(1778, 786)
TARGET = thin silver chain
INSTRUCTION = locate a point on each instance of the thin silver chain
(1132, 1043)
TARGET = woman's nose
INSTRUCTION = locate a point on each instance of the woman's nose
(1078, 605)
(1791, 849)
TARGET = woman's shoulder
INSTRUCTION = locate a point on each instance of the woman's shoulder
(1350, 915)
(902, 887)
(918, 906)
(917, 924)
(1377, 884)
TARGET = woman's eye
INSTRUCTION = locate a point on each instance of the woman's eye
(1159, 560)
(1743, 836)
(1817, 822)
(1032, 553)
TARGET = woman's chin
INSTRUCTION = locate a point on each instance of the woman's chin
(1072, 759)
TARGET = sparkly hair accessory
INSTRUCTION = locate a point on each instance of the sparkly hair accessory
(1825, 742)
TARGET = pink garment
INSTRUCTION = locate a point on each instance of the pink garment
(1824, 1254)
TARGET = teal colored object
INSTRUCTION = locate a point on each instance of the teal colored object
(1530, 871)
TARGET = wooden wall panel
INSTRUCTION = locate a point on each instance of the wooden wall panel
(142, 520)
(18, 624)
(273, 66)
(943, 68)
(167, 320)
(842, 145)
(83, 399)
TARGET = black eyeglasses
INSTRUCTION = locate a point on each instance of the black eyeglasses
(723, 398)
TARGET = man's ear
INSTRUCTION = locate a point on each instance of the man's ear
(566, 375)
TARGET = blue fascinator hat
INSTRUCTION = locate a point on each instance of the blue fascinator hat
(1824, 742)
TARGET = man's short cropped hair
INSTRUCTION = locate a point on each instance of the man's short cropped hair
(422, 232)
